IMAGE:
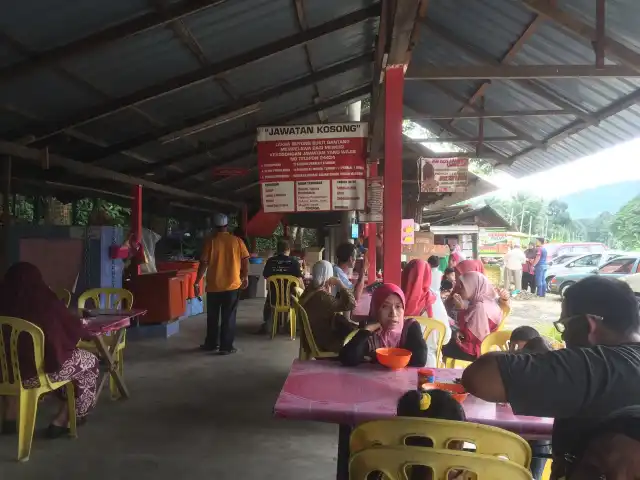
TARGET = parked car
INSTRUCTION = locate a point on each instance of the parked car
(555, 250)
(568, 264)
(634, 283)
(618, 267)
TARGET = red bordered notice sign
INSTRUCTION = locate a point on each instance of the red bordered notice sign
(444, 175)
(312, 168)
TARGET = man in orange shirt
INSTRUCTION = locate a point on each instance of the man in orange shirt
(226, 260)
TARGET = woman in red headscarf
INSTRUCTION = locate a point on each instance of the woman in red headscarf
(478, 315)
(422, 301)
(389, 329)
(24, 294)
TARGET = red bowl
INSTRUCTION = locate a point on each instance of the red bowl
(393, 358)
(456, 390)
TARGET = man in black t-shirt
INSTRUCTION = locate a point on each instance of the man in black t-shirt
(578, 386)
(282, 263)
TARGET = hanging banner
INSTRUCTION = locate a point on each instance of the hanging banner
(408, 231)
(444, 175)
(373, 211)
(312, 168)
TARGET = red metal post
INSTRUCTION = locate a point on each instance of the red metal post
(372, 234)
(392, 198)
(136, 217)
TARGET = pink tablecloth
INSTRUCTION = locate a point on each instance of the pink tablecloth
(325, 391)
(102, 324)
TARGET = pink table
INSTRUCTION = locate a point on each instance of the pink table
(325, 391)
(112, 327)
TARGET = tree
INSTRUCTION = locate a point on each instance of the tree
(626, 225)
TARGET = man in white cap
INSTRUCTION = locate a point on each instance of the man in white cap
(226, 260)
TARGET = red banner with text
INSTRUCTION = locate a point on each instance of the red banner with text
(312, 168)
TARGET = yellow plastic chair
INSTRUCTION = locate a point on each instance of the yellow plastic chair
(496, 341)
(393, 462)
(348, 338)
(64, 296)
(488, 440)
(308, 346)
(430, 325)
(506, 311)
(28, 398)
(282, 308)
(114, 298)
(555, 344)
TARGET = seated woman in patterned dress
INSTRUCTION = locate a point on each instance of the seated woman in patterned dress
(24, 294)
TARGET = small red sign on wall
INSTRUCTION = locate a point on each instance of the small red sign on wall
(229, 171)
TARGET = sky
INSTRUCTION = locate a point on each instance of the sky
(622, 161)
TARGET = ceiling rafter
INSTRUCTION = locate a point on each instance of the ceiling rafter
(571, 24)
(351, 95)
(104, 37)
(74, 166)
(301, 18)
(262, 96)
(42, 131)
(508, 57)
(486, 58)
(185, 36)
(518, 72)
(498, 121)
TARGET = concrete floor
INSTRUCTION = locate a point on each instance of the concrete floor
(192, 416)
(197, 416)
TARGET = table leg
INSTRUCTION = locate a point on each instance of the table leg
(107, 354)
(344, 434)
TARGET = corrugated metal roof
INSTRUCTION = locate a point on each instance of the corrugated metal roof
(497, 25)
(473, 33)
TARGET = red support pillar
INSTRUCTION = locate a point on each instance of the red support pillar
(372, 234)
(136, 217)
(392, 198)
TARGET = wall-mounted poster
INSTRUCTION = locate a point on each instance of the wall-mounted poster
(312, 168)
(444, 175)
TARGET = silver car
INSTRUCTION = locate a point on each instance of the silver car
(581, 263)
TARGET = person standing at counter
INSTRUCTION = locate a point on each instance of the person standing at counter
(225, 259)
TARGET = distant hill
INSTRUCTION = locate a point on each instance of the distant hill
(607, 198)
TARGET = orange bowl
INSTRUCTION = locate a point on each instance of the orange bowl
(456, 390)
(393, 358)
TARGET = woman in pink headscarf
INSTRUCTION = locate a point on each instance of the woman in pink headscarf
(478, 315)
(388, 329)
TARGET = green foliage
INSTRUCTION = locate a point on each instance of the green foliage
(626, 225)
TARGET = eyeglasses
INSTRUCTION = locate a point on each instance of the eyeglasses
(561, 325)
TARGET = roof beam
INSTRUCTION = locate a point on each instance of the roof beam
(488, 114)
(464, 140)
(486, 58)
(506, 58)
(103, 37)
(576, 126)
(519, 72)
(229, 109)
(42, 131)
(613, 48)
(498, 121)
(351, 95)
(303, 26)
(80, 168)
(399, 27)
(496, 153)
(184, 35)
